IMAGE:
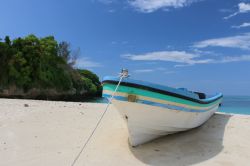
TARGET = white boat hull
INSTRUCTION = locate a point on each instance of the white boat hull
(146, 122)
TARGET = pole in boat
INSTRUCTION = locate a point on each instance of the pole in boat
(123, 74)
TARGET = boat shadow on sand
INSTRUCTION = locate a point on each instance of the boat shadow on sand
(185, 148)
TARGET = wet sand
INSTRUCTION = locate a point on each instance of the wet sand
(52, 133)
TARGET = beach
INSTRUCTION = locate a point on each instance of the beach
(35, 132)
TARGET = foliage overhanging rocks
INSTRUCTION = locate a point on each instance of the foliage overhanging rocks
(42, 68)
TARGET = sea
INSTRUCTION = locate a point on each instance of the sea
(236, 105)
(230, 104)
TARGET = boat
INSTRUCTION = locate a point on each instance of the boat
(152, 110)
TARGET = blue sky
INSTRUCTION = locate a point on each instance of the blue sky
(203, 45)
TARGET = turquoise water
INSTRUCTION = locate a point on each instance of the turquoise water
(97, 100)
(230, 104)
(236, 104)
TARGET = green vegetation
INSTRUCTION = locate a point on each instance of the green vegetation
(32, 66)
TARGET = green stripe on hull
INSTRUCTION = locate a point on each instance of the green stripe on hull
(141, 92)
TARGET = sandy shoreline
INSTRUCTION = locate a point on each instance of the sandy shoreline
(52, 133)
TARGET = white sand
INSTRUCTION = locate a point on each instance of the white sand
(52, 133)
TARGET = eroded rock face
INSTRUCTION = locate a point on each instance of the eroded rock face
(44, 94)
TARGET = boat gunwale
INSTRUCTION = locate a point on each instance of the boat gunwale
(148, 88)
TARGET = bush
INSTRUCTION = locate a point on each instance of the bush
(42, 63)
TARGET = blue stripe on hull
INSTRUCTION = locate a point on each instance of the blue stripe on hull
(121, 98)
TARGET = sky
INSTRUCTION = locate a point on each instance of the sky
(202, 45)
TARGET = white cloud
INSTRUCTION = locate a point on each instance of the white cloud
(242, 8)
(106, 1)
(202, 52)
(235, 59)
(182, 58)
(226, 59)
(225, 10)
(170, 56)
(86, 63)
(111, 10)
(144, 71)
(159, 69)
(148, 6)
(245, 24)
(119, 42)
(239, 41)
(169, 72)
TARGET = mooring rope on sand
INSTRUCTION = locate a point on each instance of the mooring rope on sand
(123, 74)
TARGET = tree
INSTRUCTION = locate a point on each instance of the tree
(64, 50)
(74, 56)
(7, 40)
(6, 52)
(70, 56)
(93, 78)
(43, 64)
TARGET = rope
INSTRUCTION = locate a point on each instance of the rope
(99, 121)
